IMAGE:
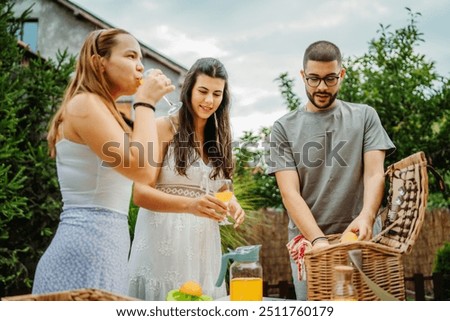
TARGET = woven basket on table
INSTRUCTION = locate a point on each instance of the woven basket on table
(381, 256)
(74, 295)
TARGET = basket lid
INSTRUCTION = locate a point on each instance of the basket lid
(406, 203)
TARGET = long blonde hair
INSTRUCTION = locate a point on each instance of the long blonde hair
(88, 78)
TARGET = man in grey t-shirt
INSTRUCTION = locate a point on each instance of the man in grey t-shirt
(328, 157)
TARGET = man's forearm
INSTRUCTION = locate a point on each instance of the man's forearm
(302, 216)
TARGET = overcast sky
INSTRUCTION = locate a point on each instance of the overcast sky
(259, 39)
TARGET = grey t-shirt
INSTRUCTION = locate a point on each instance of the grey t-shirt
(326, 149)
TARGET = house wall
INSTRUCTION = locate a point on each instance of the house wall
(59, 29)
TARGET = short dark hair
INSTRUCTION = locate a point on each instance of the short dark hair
(322, 50)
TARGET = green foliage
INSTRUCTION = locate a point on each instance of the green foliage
(286, 86)
(244, 190)
(132, 218)
(251, 169)
(442, 264)
(30, 90)
(442, 261)
(411, 99)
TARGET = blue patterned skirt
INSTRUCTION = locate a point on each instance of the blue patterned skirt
(89, 250)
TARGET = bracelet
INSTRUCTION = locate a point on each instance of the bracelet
(318, 238)
(144, 105)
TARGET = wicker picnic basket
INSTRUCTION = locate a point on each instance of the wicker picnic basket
(382, 256)
(74, 295)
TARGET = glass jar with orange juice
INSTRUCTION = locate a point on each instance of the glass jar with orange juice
(246, 282)
(246, 275)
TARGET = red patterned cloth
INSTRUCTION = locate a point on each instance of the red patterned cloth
(297, 248)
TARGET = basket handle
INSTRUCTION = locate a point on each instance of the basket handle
(356, 258)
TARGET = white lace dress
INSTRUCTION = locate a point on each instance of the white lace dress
(171, 248)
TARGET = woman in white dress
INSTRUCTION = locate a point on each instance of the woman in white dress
(177, 237)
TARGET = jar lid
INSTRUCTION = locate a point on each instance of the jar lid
(248, 253)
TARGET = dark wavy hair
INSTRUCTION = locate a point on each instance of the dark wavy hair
(217, 133)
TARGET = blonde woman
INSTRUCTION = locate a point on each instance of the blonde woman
(98, 156)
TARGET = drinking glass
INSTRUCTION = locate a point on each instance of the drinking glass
(222, 190)
(174, 107)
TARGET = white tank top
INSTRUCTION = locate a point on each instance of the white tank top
(85, 182)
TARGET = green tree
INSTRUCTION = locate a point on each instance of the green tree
(30, 91)
(402, 85)
(286, 85)
(251, 169)
(407, 92)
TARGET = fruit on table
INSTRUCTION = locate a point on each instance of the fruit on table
(349, 237)
(192, 288)
(189, 291)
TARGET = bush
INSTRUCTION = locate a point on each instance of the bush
(442, 265)
(30, 91)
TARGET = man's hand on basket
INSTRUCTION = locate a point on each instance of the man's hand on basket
(362, 226)
(320, 243)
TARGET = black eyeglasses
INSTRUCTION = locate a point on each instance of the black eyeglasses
(330, 81)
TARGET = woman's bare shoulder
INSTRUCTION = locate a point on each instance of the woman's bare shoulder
(165, 129)
(84, 104)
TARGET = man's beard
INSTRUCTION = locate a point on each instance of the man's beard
(330, 102)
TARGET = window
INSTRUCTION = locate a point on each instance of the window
(29, 34)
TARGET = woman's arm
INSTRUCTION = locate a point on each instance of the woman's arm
(88, 121)
(146, 196)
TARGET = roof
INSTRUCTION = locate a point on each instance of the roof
(146, 51)
(25, 46)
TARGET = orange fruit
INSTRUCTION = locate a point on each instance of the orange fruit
(192, 288)
(349, 237)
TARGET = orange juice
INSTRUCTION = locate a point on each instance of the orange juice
(246, 289)
(224, 196)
